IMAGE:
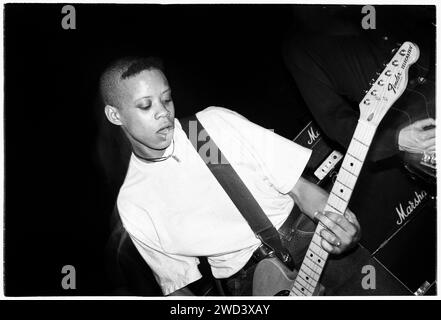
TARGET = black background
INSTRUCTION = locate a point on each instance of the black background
(58, 191)
(56, 196)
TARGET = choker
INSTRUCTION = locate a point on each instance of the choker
(159, 159)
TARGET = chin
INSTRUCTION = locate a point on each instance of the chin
(164, 144)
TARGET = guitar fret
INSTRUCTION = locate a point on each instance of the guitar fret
(301, 289)
(343, 184)
(335, 209)
(318, 248)
(349, 171)
(356, 148)
(305, 284)
(348, 180)
(307, 277)
(316, 273)
(316, 241)
(352, 164)
(317, 238)
(317, 254)
(364, 132)
(309, 287)
(337, 203)
(361, 142)
(312, 265)
(318, 262)
(317, 244)
(343, 191)
(337, 195)
(353, 156)
(296, 292)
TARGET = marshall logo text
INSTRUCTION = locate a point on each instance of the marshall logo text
(313, 135)
(403, 213)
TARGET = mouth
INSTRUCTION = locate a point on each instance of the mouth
(166, 129)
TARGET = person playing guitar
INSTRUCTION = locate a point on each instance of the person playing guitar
(172, 207)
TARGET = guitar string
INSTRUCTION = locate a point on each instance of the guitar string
(365, 133)
(310, 286)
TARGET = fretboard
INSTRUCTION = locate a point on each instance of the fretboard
(315, 259)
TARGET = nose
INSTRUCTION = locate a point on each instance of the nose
(162, 111)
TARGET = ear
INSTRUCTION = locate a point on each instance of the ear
(112, 114)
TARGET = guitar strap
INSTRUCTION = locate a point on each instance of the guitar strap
(241, 197)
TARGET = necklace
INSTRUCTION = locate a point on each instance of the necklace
(159, 158)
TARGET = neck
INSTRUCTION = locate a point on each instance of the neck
(146, 152)
(307, 279)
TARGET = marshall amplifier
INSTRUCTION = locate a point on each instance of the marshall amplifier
(384, 200)
(324, 162)
(410, 253)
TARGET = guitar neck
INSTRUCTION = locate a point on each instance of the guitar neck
(315, 259)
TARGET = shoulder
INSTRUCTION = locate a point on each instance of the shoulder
(130, 193)
(223, 119)
(219, 113)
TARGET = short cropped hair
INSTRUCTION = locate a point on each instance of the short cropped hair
(121, 69)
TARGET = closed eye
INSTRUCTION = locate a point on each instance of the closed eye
(167, 100)
(144, 106)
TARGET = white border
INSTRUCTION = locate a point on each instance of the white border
(61, 298)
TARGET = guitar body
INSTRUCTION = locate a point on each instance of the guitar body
(273, 278)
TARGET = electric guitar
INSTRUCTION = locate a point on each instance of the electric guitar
(271, 276)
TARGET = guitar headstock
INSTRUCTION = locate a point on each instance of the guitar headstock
(390, 84)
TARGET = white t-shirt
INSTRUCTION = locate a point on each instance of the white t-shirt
(175, 211)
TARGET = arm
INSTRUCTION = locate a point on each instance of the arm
(342, 231)
(309, 197)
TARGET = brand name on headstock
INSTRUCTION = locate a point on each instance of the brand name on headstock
(394, 86)
(406, 58)
(398, 76)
